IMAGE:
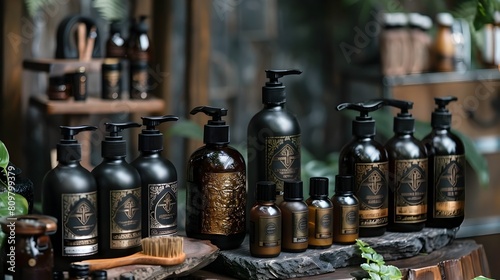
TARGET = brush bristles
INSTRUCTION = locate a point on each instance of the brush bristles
(163, 246)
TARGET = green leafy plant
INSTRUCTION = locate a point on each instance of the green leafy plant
(375, 265)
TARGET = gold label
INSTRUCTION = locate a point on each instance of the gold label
(282, 159)
(350, 219)
(449, 182)
(162, 201)
(410, 196)
(79, 224)
(371, 189)
(269, 231)
(300, 230)
(125, 218)
(224, 202)
(323, 226)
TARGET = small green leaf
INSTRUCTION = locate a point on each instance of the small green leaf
(374, 276)
(4, 156)
(366, 267)
(481, 277)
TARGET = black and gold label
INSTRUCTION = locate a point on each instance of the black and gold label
(269, 231)
(282, 159)
(300, 230)
(162, 201)
(350, 219)
(371, 190)
(125, 218)
(449, 182)
(410, 194)
(79, 222)
(223, 203)
(323, 226)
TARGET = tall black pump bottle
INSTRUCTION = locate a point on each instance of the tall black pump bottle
(119, 193)
(216, 186)
(446, 195)
(159, 181)
(407, 173)
(69, 193)
(366, 160)
(273, 147)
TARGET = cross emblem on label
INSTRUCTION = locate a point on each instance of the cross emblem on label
(83, 213)
(129, 208)
(287, 156)
(413, 179)
(375, 182)
(452, 174)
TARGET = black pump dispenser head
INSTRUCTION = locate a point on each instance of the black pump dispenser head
(363, 125)
(68, 149)
(274, 91)
(441, 117)
(404, 123)
(113, 145)
(151, 139)
(215, 131)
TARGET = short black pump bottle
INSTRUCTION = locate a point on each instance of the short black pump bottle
(407, 173)
(366, 160)
(273, 147)
(446, 195)
(69, 194)
(119, 193)
(159, 181)
(216, 186)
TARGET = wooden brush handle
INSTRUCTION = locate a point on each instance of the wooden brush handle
(81, 39)
(137, 258)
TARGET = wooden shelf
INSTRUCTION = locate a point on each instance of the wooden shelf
(57, 67)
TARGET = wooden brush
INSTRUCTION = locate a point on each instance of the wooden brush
(163, 250)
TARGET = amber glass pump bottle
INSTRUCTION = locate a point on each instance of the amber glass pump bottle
(295, 218)
(216, 186)
(446, 195)
(345, 211)
(407, 173)
(366, 160)
(320, 214)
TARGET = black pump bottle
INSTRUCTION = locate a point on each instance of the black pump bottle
(366, 160)
(159, 181)
(216, 186)
(446, 195)
(407, 173)
(119, 192)
(69, 194)
(273, 147)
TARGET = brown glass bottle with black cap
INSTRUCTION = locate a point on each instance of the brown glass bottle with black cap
(407, 173)
(366, 160)
(446, 194)
(345, 211)
(320, 214)
(216, 186)
(294, 213)
(265, 222)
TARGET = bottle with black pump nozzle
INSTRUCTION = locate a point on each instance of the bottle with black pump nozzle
(159, 181)
(119, 192)
(366, 160)
(216, 186)
(446, 152)
(273, 139)
(407, 172)
(67, 190)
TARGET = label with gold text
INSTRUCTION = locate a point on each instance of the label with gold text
(449, 182)
(371, 189)
(323, 226)
(282, 159)
(300, 230)
(223, 203)
(269, 231)
(162, 207)
(125, 218)
(79, 224)
(350, 219)
(410, 194)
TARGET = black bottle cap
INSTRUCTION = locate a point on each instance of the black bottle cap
(151, 139)
(216, 131)
(127, 276)
(68, 149)
(318, 186)
(404, 123)
(441, 117)
(363, 125)
(293, 190)
(265, 191)
(343, 184)
(79, 270)
(113, 145)
(99, 275)
(274, 91)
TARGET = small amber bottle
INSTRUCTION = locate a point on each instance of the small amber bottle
(294, 213)
(345, 211)
(320, 214)
(265, 222)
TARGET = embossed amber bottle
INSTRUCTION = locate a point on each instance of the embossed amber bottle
(320, 214)
(446, 195)
(216, 186)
